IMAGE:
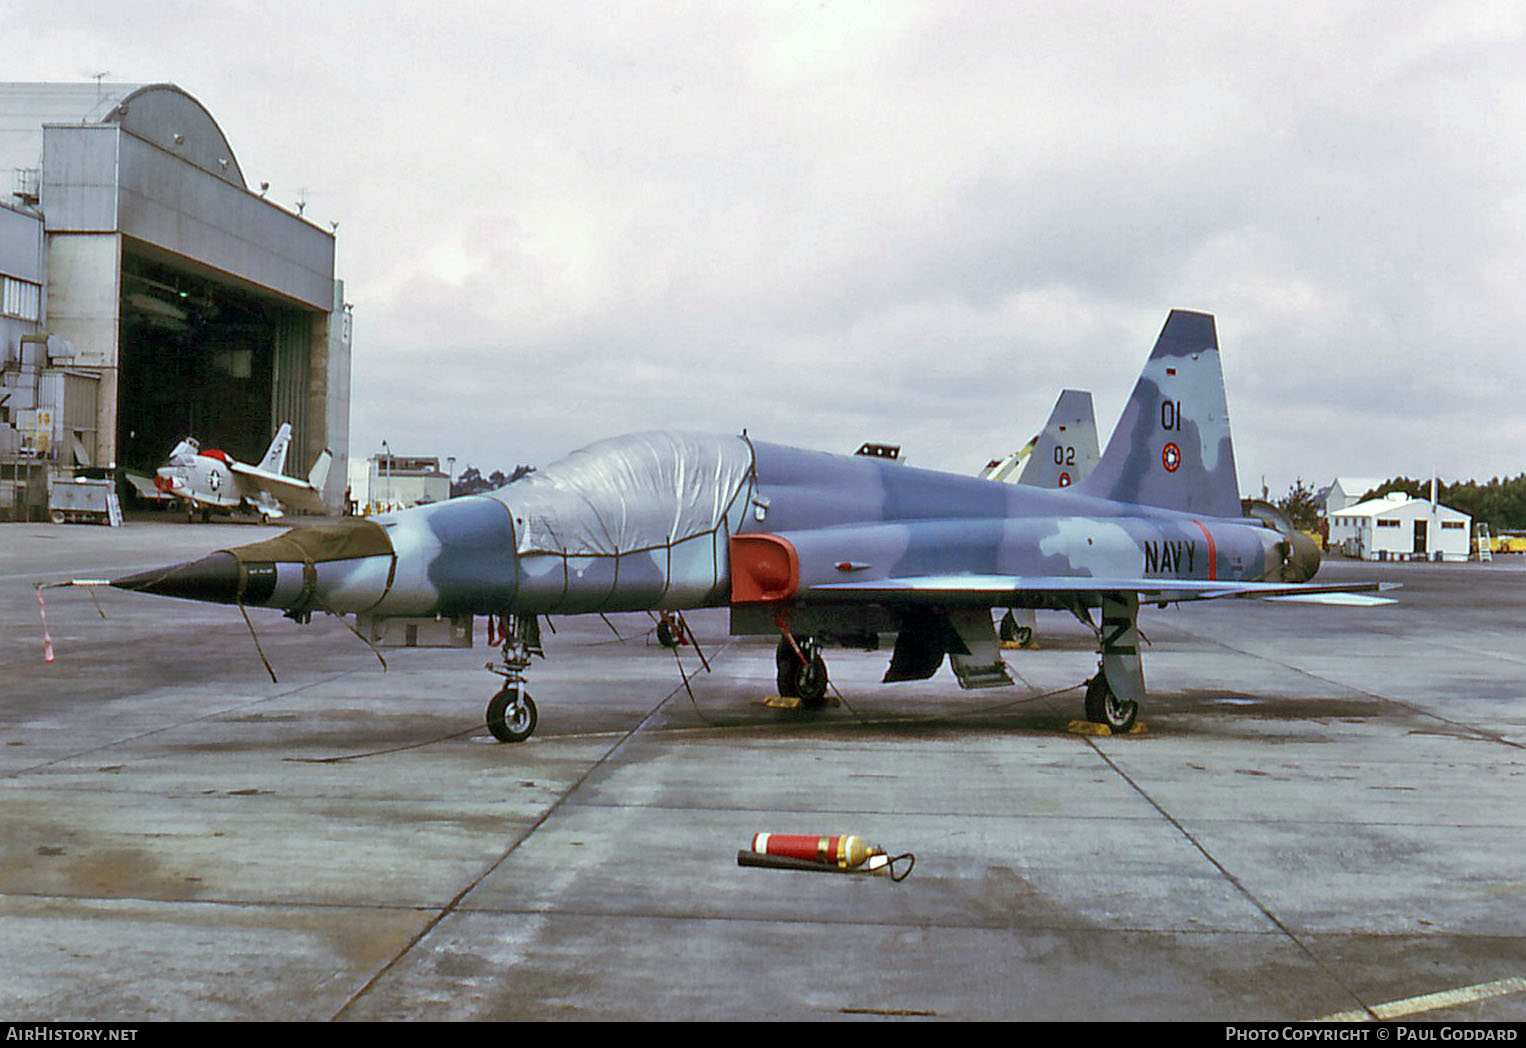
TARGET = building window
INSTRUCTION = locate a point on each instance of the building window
(1453, 525)
(1388, 523)
(22, 299)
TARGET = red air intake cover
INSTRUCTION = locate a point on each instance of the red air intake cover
(765, 569)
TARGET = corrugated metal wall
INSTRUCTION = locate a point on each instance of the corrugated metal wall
(292, 375)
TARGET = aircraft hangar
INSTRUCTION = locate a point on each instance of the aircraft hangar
(179, 300)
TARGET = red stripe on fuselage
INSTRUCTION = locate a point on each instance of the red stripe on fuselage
(1213, 552)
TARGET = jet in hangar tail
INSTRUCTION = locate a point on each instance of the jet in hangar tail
(1171, 448)
(275, 455)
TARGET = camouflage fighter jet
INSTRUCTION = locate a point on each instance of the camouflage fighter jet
(811, 547)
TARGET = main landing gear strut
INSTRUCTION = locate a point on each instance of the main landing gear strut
(511, 714)
(1114, 694)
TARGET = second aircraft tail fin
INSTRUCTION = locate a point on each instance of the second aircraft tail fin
(1066, 451)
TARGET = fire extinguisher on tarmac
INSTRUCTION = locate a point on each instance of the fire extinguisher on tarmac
(840, 853)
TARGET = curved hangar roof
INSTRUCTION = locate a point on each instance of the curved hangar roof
(159, 113)
(148, 162)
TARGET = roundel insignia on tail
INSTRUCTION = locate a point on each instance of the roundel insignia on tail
(1064, 480)
(1171, 457)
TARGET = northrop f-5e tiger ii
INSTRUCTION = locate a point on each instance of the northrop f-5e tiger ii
(812, 548)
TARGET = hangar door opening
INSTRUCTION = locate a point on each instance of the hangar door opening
(207, 359)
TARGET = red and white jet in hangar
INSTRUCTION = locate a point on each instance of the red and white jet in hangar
(213, 481)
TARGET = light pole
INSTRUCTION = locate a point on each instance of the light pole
(387, 473)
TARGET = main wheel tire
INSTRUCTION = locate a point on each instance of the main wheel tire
(811, 680)
(785, 663)
(1007, 631)
(668, 634)
(511, 715)
(1104, 707)
(1012, 633)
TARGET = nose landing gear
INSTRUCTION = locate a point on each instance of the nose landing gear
(511, 713)
(802, 672)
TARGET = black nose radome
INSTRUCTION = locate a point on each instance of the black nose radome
(214, 578)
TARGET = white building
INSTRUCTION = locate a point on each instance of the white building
(1348, 491)
(383, 483)
(1397, 527)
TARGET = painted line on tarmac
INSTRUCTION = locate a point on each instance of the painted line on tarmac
(1429, 1002)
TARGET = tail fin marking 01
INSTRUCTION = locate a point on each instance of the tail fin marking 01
(1171, 448)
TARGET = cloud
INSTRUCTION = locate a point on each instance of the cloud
(832, 222)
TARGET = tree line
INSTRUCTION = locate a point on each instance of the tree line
(472, 482)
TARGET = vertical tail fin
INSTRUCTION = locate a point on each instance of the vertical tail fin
(1171, 448)
(275, 456)
(1066, 451)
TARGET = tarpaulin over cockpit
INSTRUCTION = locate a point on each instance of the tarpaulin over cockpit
(631, 493)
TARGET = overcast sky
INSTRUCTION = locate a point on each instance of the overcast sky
(836, 221)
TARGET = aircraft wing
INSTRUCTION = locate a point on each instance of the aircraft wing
(997, 589)
(145, 488)
(291, 492)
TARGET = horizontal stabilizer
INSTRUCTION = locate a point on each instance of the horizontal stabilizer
(1345, 600)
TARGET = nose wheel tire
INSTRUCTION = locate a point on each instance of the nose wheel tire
(811, 681)
(806, 681)
(511, 715)
(1104, 707)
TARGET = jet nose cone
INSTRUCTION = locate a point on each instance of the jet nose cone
(213, 578)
